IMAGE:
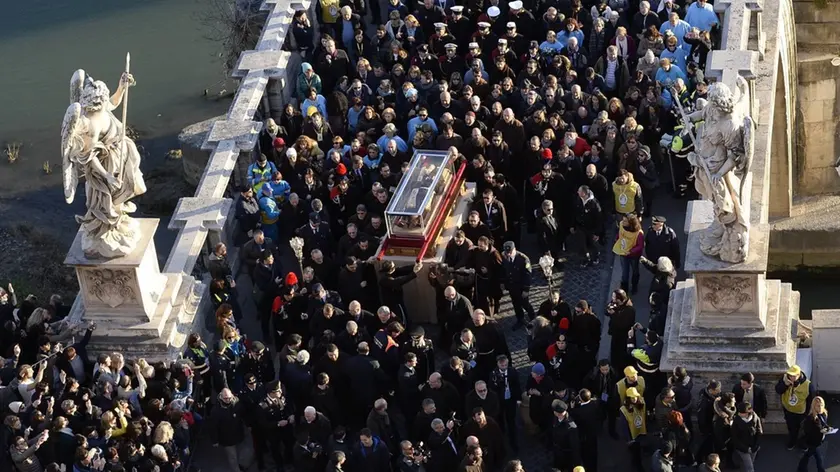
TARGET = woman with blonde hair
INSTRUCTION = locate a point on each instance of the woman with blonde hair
(410, 33)
(630, 245)
(164, 436)
(113, 424)
(815, 427)
(307, 149)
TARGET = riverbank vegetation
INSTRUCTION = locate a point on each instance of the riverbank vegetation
(37, 266)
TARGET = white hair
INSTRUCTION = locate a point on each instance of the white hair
(382, 310)
(380, 404)
(158, 451)
(664, 264)
(302, 357)
(310, 410)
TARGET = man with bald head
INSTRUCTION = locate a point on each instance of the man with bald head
(489, 342)
(597, 183)
(455, 312)
(316, 425)
(512, 130)
(444, 394)
(482, 397)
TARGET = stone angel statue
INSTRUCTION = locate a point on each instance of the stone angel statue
(722, 157)
(94, 146)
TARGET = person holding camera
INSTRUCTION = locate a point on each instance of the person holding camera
(413, 459)
(308, 455)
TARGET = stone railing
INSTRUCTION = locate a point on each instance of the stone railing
(204, 215)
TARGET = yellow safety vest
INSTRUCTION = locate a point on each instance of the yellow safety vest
(330, 11)
(625, 197)
(635, 421)
(257, 172)
(795, 398)
(626, 241)
(622, 387)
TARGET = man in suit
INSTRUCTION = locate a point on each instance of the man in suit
(492, 212)
(505, 382)
(252, 251)
(316, 235)
(588, 416)
(748, 391)
(517, 279)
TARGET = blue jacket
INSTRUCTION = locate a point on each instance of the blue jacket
(372, 164)
(415, 122)
(703, 18)
(552, 48)
(679, 30)
(257, 175)
(678, 56)
(280, 190)
(269, 210)
(671, 76)
(320, 103)
(382, 142)
(563, 38)
(353, 118)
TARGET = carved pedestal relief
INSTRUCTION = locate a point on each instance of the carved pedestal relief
(727, 294)
(113, 287)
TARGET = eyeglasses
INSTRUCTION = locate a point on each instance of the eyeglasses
(481, 391)
(424, 116)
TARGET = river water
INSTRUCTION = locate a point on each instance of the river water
(43, 41)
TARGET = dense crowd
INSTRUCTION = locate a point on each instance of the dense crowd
(566, 113)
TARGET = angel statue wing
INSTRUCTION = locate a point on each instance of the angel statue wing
(70, 143)
(77, 84)
(749, 149)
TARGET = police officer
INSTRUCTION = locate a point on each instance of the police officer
(492, 212)
(517, 279)
(661, 240)
(277, 420)
(565, 438)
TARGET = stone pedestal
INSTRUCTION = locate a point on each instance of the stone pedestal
(729, 319)
(138, 310)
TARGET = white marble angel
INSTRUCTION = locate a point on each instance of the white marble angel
(722, 157)
(94, 146)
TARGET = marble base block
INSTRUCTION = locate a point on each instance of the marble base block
(123, 291)
(139, 311)
(729, 349)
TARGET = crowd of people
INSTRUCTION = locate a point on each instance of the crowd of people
(566, 113)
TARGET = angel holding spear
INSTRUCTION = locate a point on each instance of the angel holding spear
(94, 145)
(724, 151)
